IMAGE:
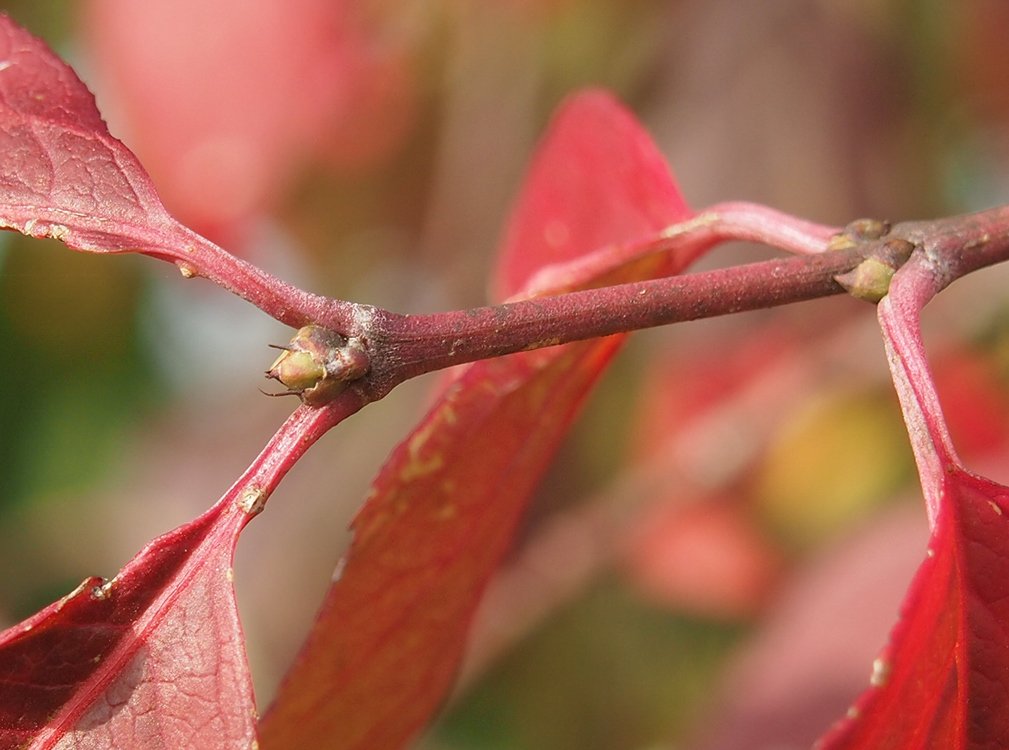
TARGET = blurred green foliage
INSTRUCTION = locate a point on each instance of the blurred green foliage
(78, 376)
(606, 672)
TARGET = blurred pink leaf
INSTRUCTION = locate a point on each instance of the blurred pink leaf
(252, 94)
(789, 681)
(975, 399)
(708, 558)
(386, 646)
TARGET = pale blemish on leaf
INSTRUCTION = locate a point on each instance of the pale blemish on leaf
(418, 467)
(880, 672)
(418, 464)
(446, 512)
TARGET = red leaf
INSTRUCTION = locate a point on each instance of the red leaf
(385, 648)
(153, 658)
(707, 558)
(943, 681)
(975, 401)
(582, 194)
(61, 174)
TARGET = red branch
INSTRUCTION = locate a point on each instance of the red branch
(404, 346)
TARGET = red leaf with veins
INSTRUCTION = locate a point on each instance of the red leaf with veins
(154, 658)
(943, 681)
(385, 648)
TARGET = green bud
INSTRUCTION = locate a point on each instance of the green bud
(858, 231)
(867, 229)
(318, 364)
(869, 280)
(298, 370)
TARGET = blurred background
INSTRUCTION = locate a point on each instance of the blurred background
(720, 549)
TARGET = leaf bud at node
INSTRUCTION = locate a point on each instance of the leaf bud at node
(857, 231)
(868, 229)
(869, 280)
(298, 370)
(318, 364)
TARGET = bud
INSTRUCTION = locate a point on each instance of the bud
(298, 370)
(318, 364)
(869, 280)
(858, 231)
(867, 229)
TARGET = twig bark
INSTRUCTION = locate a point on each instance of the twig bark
(397, 347)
